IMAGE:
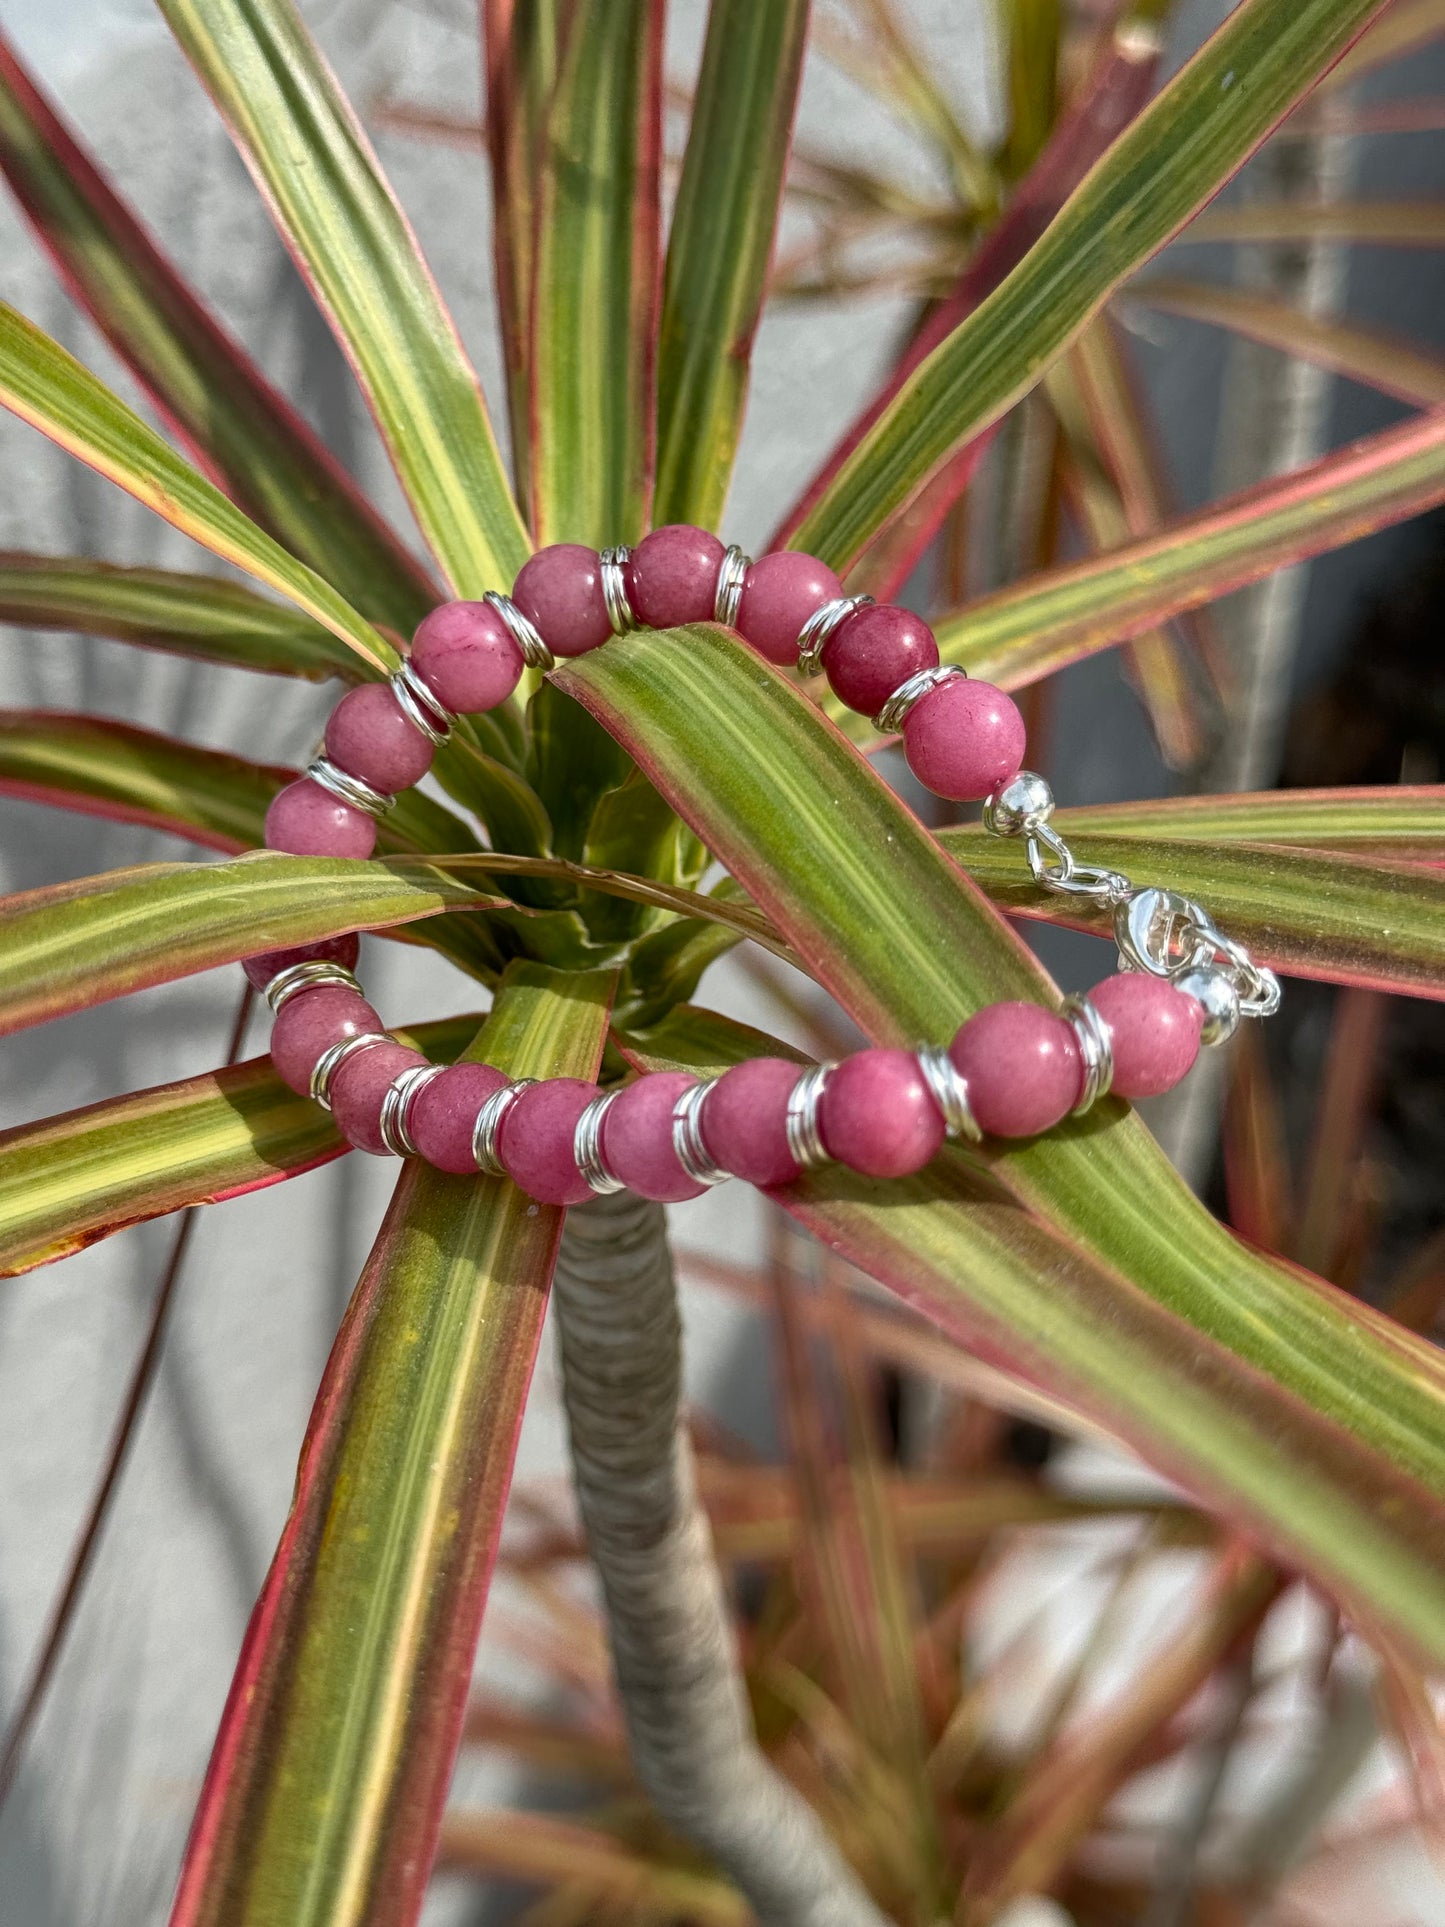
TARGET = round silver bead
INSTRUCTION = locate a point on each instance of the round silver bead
(331, 1060)
(687, 1139)
(1216, 994)
(587, 1146)
(525, 634)
(1019, 805)
(732, 571)
(402, 1092)
(614, 591)
(488, 1127)
(801, 1126)
(310, 975)
(348, 788)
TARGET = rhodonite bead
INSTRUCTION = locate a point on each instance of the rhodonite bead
(878, 1115)
(306, 820)
(1155, 1031)
(964, 738)
(873, 652)
(744, 1120)
(358, 1088)
(1022, 1067)
(672, 576)
(559, 590)
(443, 1115)
(338, 950)
(466, 656)
(312, 1022)
(535, 1141)
(780, 593)
(637, 1138)
(369, 736)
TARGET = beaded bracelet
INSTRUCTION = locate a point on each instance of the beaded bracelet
(1012, 1070)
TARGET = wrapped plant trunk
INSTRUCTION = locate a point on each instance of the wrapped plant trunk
(673, 1647)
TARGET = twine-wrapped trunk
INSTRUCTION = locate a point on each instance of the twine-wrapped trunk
(686, 1707)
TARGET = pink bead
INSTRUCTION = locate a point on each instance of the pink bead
(560, 591)
(1021, 1064)
(535, 1141)
(744, 1120)
(466, 656)
(964, 738)
(443, 1114)
(637, 1138)
(312, 1022)
(338, 950)
(672, 576)
(779, 594)
(875, 650)
(1155, 1029)
(358, 1088)
(369, 736)
(306, 820)
(878, 1115)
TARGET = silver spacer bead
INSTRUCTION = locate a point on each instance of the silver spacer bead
(423, 710)
(1020, 805)
(535, 652)
(730, 575)
(949, 1088)
(488, 1127)
(894, 713)
(587, 1146)
(1096, 1050)
(614, 591)
(350, 789)
(687, 1138)
(310, 975)
(822, 624)
(804, 1133)
(331, 1060)
(401, 1094)
(1217, 996)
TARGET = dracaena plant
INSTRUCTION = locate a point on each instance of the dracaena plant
(564, 870)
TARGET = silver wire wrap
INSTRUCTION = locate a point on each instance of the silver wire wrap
(401, 1093)
(804, 1133)
(1096, 1051)
(687, 1139)
(587, 1146)
(488, 1127)
(814, 635)
(614, 591)
(422, 709)
(731, 573)
(894, 713)
(349, 789)
(334, 1056)
(949, 1088)
(535, 652)
(310, 975)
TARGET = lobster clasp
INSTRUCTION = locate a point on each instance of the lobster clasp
(1161, 931)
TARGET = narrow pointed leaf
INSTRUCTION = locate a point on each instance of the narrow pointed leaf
(1403, 821)
(1404, 28)
(237, 426)
(324, 1795)
(896, 933)
(594, 308)
(1395, 367)
(335, 210)
(719, 248)
(202, 616)
(1041, 624)
(1349, 920)
(79, 944)
(68, 1181)
(1377, 224)
(1166, 165)
(50, 389)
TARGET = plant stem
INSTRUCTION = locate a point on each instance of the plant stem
(677, 1669)
(82, 1556)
